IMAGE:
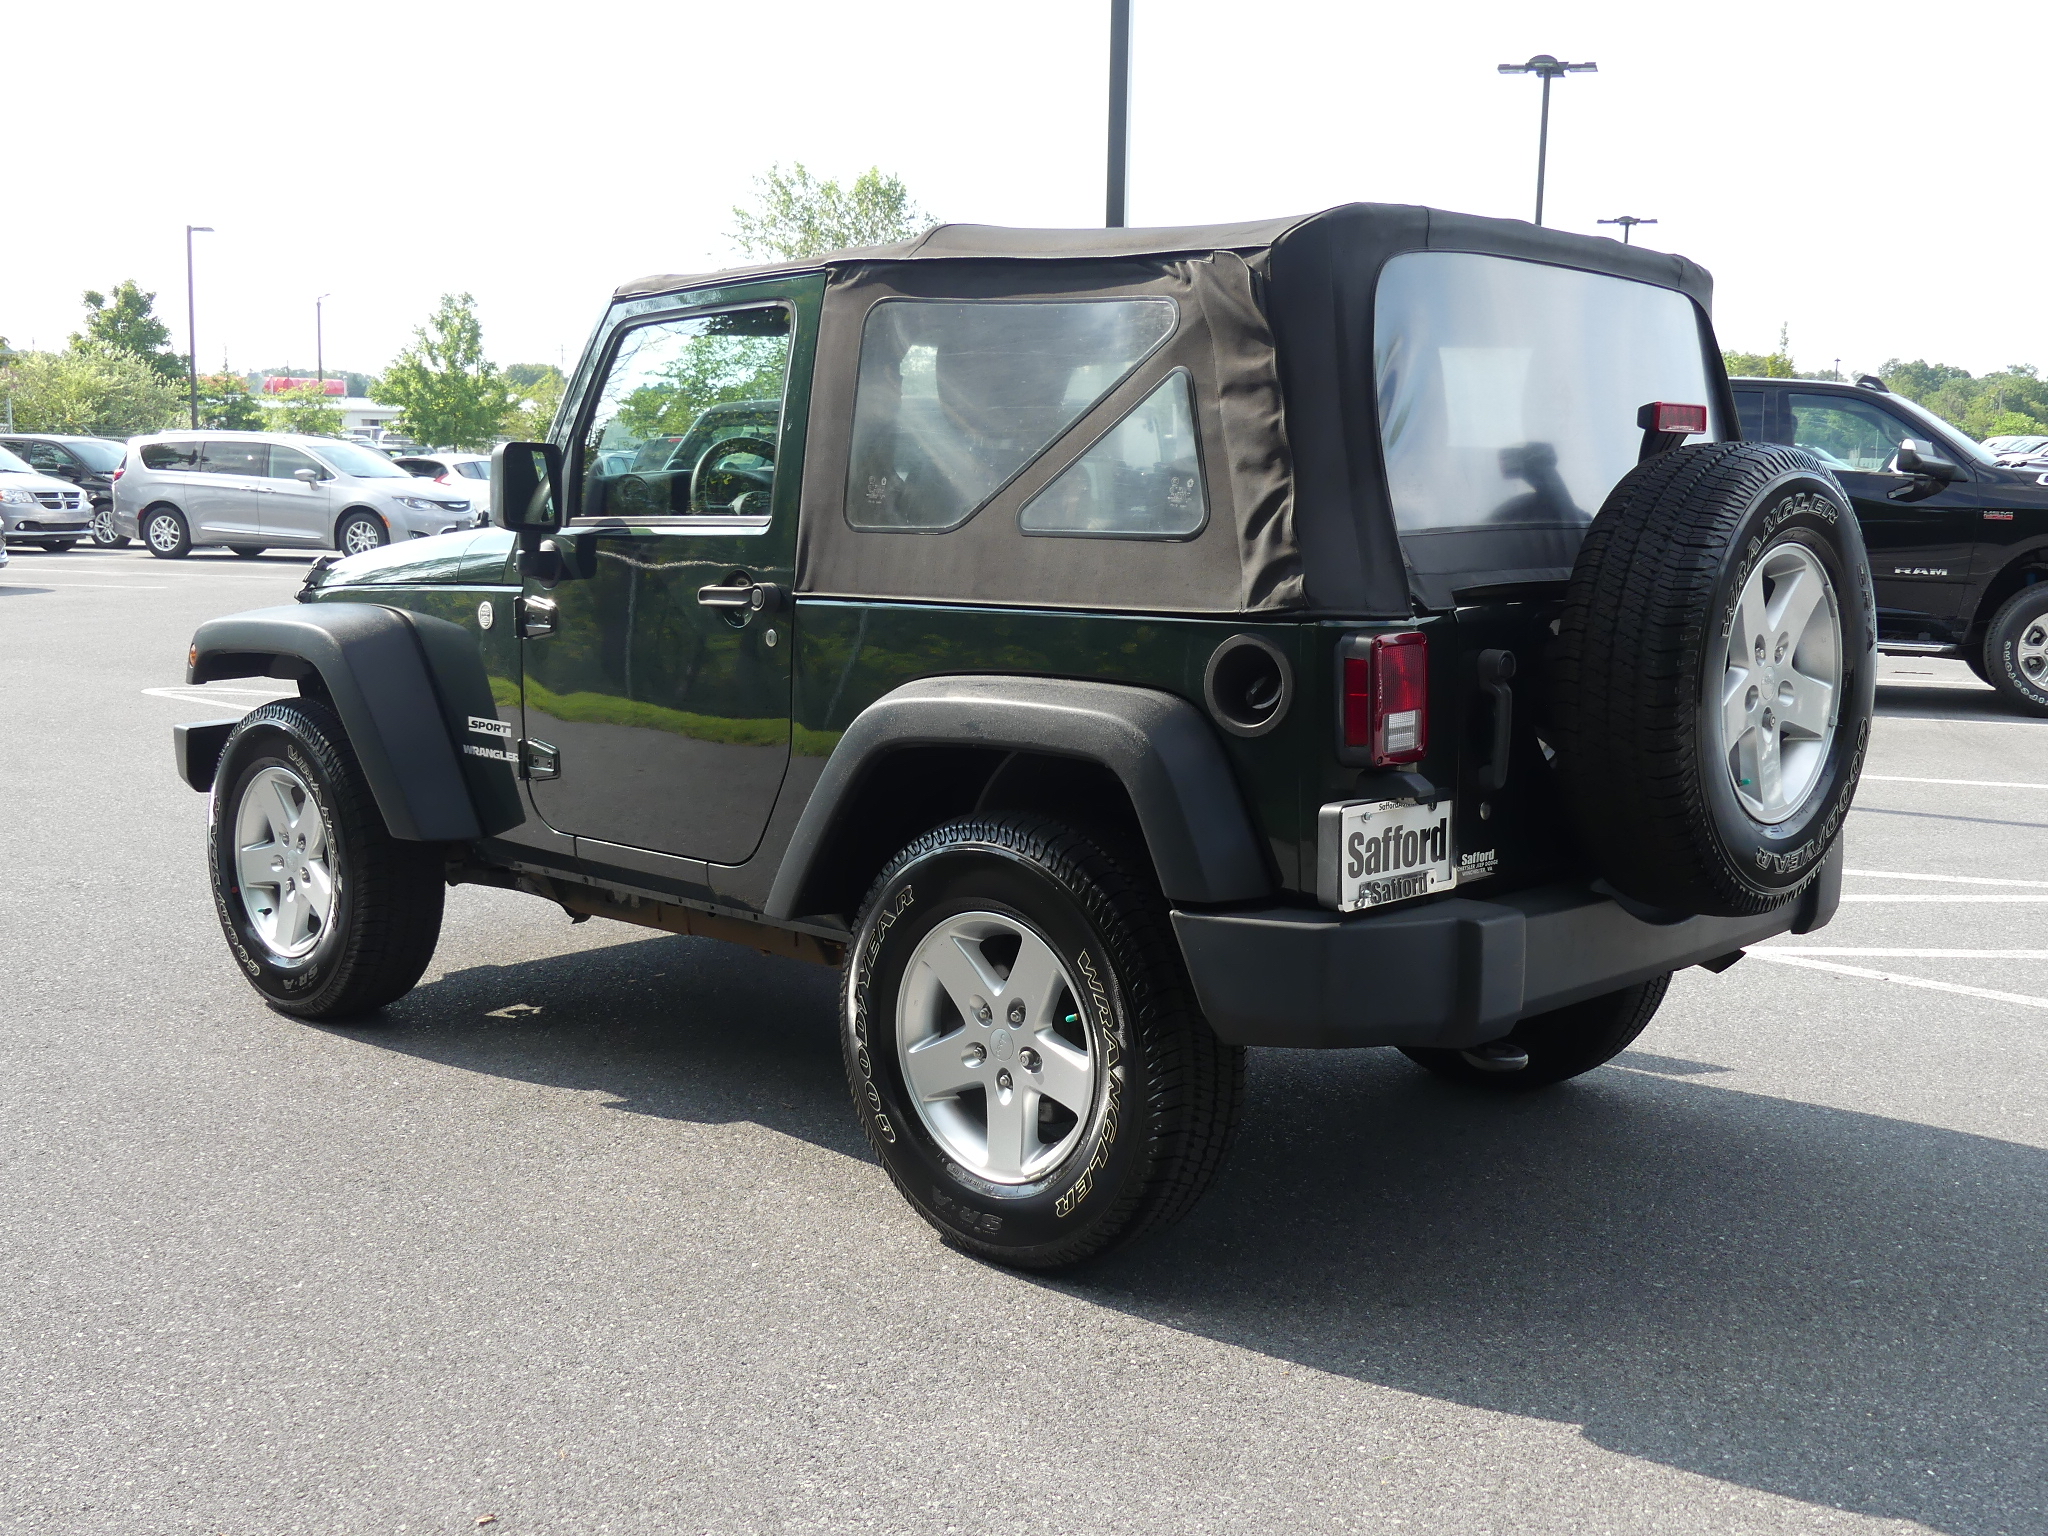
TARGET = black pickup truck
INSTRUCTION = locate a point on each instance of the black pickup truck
(1958, 541)
(1113, 649)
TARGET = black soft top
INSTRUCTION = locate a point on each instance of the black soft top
(1276, 332)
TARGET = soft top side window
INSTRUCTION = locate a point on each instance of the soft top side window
(955, 397)
(1141, 480)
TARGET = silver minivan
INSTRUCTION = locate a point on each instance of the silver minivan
(253, 491)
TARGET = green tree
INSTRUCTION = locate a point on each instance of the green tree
(89, 390)
(540, 388)
(225, 404)
(2011, 402)
(308, 409)
(126, 321)
(796, 215)
(446, 391)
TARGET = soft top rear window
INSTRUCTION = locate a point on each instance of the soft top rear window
(1508, 393)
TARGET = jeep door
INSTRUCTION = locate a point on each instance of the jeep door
(1920, 550)
(664, 689)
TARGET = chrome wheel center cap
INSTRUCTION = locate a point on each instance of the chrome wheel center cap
(1002, 1045)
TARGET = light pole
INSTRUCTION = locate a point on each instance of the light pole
(320, 341)
(1548, 69)
(192, 320)
(1627, 221)
(1119, 111)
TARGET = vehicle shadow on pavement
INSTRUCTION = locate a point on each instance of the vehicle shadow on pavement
(685, 1029)
(1829, 1306)
(1932, 702)
(1819, 1304)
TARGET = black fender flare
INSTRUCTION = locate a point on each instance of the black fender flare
(1166, 755)
(403, 684)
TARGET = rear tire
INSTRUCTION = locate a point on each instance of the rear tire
(1092, 1106)
(103, 530)
(327, 914)
(2016, 649)
(59, 546)
(165, 534)
(1714, 677)
(1562, 1043)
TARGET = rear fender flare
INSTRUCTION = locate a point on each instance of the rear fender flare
(1200, 836)
(402, 684)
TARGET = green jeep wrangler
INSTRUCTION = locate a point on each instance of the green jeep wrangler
(1113, 649)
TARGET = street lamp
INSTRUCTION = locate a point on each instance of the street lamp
(1119, 111)
(320, 340)
(1548, 69)
(1627, 221)
(192, 320)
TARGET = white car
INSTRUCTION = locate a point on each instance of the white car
(36, 508)
(467, 474)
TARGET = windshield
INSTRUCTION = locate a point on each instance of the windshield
(360, 462)
(97, 452)
(10, 465)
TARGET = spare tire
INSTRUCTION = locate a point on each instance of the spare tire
(1713, 677)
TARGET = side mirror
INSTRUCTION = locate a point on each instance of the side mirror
(310, 476)
(1917, 457)
(524, 500)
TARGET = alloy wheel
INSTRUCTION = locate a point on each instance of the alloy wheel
(1781, 683)
(284, 864)
(994, 1050)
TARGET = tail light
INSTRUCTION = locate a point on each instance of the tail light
(440, 479)
(1386, 698)
(119, 470)
(1668, 416)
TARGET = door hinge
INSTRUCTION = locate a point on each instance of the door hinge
(536, 617)
(539, 760)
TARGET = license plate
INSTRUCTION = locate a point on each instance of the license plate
(1376, 852)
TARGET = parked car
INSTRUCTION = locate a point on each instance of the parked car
(1958, 541)
(87, 462)
(252, 491)
(2006, 448)
(1175, 640)
(466, 473)
(38, 508)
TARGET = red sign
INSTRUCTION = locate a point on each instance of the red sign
(329, 386)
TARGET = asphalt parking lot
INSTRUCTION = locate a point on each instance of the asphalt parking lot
(583, 1236)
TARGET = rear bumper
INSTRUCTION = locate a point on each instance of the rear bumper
(1455, 972)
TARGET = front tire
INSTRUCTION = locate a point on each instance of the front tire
(1024, 1048)
(103, 529)
(247, 551)
(327, 914)
(359, 533)
(165, 533)
(58, 546)
(2016, 649)
(1562, 1043)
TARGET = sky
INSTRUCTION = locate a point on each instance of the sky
(1813, 156)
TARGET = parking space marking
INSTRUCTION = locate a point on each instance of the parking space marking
(1899, 874)
(1780, 957)
(1911, 954)
(1945, 898)
(1900, 778)
(104, 586)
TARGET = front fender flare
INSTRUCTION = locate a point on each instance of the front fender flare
(397, 681)
(1159, 746)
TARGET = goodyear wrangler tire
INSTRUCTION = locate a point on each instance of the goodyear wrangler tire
(1024, 1049)
(328, 915)
(1713, 678)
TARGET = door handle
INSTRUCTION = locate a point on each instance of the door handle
(537, 617)
(749, 597)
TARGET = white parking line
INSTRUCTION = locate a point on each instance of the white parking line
(1911, 954)
(104, 586)
(1924, 898)
(1900, 778)
(1896, 874)
(1779, 957)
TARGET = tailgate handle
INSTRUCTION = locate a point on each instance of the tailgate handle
(1495, 668)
